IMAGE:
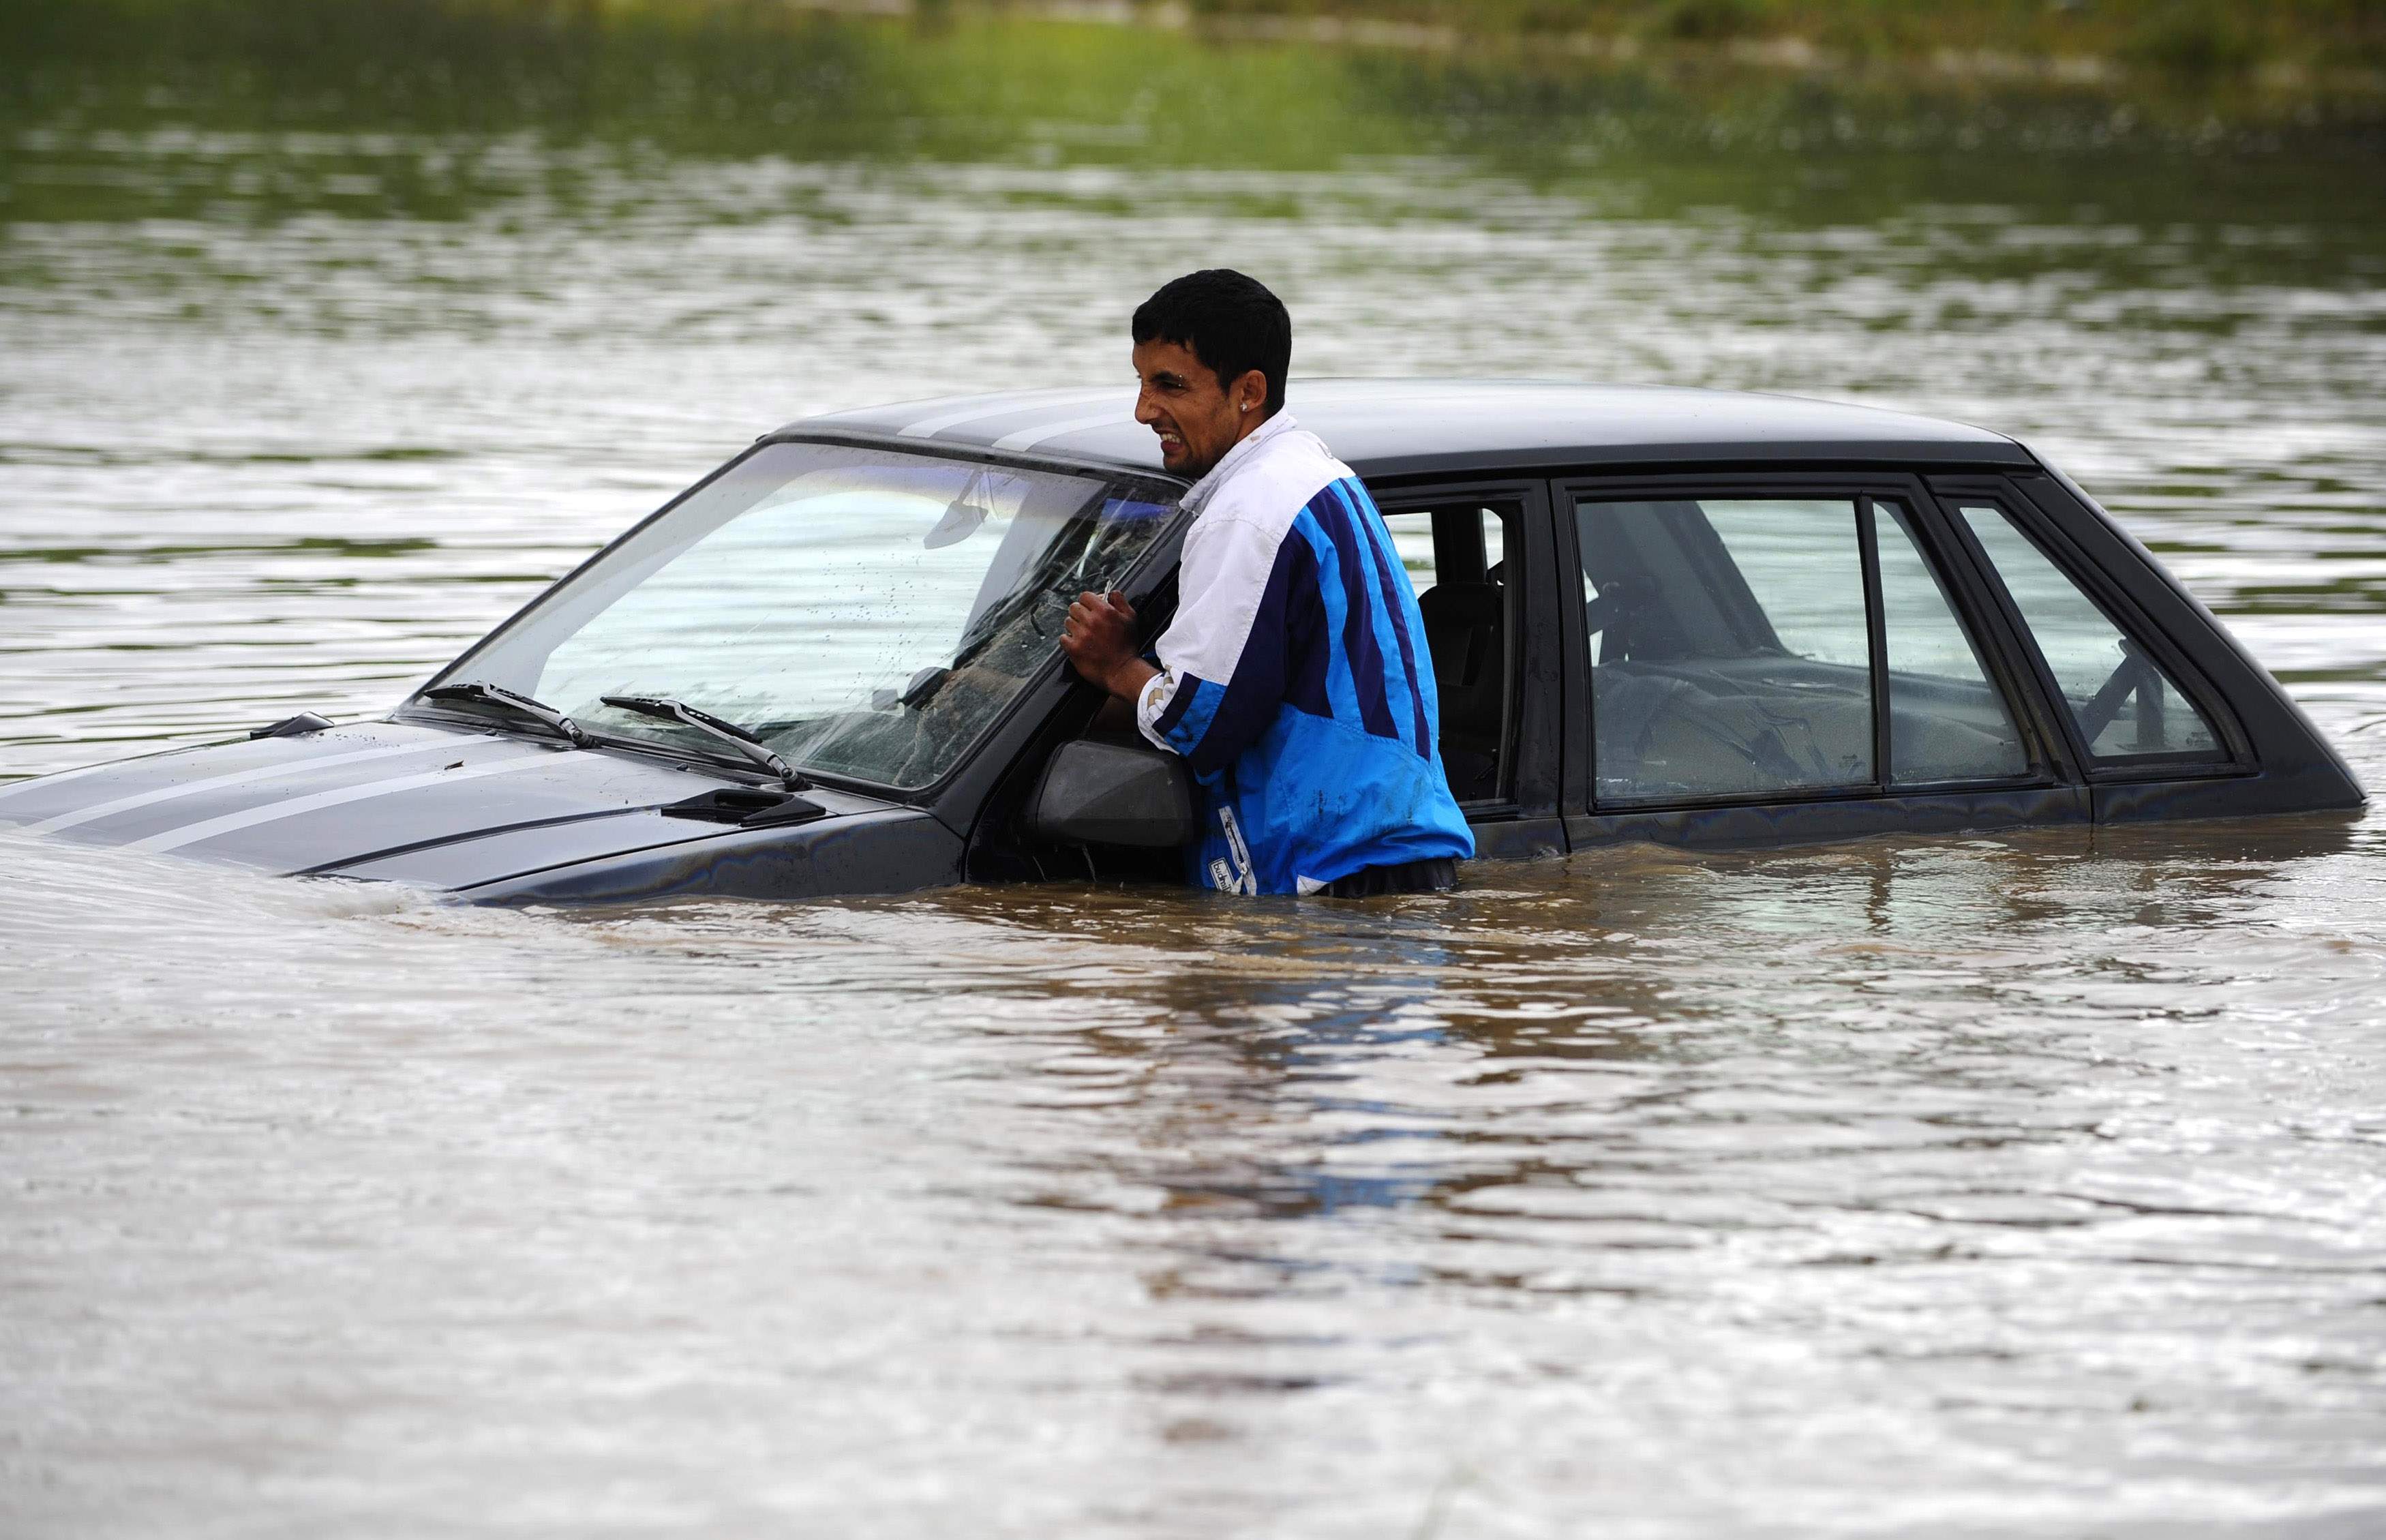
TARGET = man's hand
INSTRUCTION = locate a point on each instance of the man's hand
(1098, 638)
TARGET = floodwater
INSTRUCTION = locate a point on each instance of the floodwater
(2020, 1184)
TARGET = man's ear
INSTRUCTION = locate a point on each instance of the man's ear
(1249, 393)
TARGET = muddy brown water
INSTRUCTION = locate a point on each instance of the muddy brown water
(1999, 1185)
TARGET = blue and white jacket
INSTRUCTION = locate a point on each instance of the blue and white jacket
(1295, 678)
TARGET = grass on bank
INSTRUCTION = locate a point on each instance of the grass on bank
(416, 107)
(967, 77)
(2309, 40)
(2172, 37)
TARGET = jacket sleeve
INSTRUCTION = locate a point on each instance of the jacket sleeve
(1245, 597)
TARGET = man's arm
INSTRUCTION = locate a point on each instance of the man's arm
(1242, 592)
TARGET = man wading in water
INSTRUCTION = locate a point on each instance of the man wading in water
(1295, 678)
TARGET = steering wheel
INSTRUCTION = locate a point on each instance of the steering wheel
(1611, 613)
(2132, 676)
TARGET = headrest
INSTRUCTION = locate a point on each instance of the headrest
(1469, 604)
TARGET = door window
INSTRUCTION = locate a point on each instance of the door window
(1730, 652)
(2125, 704)
(1455, 556)
(1733, 653)
(1947, 722)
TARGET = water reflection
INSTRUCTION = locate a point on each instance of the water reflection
(1580, 1043)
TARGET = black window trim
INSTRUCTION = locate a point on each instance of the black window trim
(2050, 764)
(2235, 756)
(1876, 639)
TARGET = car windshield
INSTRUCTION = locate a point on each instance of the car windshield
(866, 613)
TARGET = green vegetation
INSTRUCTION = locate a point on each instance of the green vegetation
(2173, 37)
(959, 73)
(2284, 45)
(738, 78)
(413, 102)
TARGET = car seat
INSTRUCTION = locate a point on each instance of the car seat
(1467, 631)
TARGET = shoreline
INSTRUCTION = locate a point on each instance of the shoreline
(975, 76)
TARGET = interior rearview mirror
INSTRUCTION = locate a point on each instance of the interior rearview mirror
(1108, 794)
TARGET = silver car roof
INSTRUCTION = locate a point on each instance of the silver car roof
(1395, 427)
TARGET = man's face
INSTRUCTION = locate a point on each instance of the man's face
(1198, 418)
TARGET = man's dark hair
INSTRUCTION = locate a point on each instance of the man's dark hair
(1231, 321)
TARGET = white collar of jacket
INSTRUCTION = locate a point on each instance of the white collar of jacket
(1198, 498)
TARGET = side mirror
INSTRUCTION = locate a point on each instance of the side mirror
(1105, 794)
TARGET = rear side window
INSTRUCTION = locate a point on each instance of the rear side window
(1735, 653)
(2125, 704)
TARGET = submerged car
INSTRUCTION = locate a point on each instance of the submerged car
(832, 665)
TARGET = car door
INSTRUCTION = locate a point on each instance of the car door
(1760, 658)
(1482, 558)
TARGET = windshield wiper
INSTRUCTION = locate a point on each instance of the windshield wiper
(754, 750)
(480, 694)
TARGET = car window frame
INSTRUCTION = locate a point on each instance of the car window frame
(1526, 819)
(2050, 768)
(2002, 647)
(2236, 756)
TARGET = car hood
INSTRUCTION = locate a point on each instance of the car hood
(403, 801)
